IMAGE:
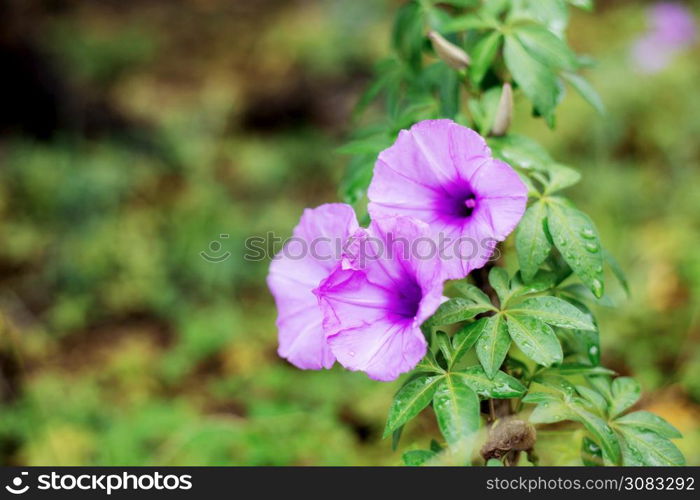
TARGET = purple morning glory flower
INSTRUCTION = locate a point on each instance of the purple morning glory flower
(672, 28)
(306, 259)
(443, 174)
(373, 314)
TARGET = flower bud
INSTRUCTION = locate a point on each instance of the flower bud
(454, 56)
(504, 113)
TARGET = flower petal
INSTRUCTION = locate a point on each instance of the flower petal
(306, 260)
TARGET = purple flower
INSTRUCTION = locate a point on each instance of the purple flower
(307, 259)
(672, 28)
(672, 24)
(373, 315)
(444, 174)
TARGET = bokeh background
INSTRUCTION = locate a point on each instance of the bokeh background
(136, 134)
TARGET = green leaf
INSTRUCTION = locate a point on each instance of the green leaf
(407, 34)
(542, 281)
(582, 4)
(650, 448)
(498, 279)
(493, 345)
(617, 270)
(586, 91)
(551, 411)
(625, 392)
(414, 458)
(591, 454)
(531, 242)
(467, 22)
(396, 438)
(494, 462)
(554, 311)
(597, 401)
(546, 47)
(429, 364)
(576, 237)
(465, 338)
(603, 434)
(541, 397)
(472, 292)
(410, 400)
(502, 386)
(536, 339)
(483, 55)
(457, 409)
(520, 151)
(581, 369)
(538, 82)
(445, 346)
(561, 177)
(556, 382)
(648, 421)
(457, 309)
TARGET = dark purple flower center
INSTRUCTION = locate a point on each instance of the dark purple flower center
(406, 302)
(459, 204)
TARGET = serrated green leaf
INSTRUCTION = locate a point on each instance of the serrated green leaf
(465, 338)
(536, 80)
(554, 311)
(536, 339)
(576, 238)
(483, 55)
(625, 392)
(586, 91)
(493, 345)
(502, 386)
(499, 281)
(456, 310)
(457, 409)
(531, 242)
(414, 458)
(648, 421)
(651, 449)
(410, 400)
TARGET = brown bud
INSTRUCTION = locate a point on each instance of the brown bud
(504, 113)
(454, 56)
(508, 434)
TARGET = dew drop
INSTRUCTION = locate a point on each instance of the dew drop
(592, 247)
(587, 233)
(597, 286)
(593, 350)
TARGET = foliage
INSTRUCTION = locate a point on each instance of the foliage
(537, 328)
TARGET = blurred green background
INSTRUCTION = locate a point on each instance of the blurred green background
(136, 133)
